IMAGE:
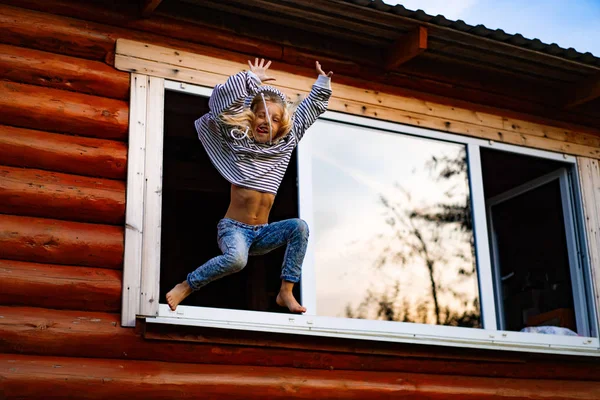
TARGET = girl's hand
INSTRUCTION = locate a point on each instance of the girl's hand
(320, 71)
(260, 69)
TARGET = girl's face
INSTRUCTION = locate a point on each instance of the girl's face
(260, 127)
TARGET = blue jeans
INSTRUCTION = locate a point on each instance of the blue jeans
(237, 241)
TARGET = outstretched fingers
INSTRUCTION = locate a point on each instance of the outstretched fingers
(320, 70)
(260, 69)
(259, 64)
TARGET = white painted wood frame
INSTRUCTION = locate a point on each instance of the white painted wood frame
(589, 175)
(134, 213)
(150, 286)
(144, 199)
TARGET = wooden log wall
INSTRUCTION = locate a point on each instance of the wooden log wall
(63, 155)
(131, 379)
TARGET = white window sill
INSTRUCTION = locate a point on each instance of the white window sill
(376, 330)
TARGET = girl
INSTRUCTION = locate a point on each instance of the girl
(249, 135)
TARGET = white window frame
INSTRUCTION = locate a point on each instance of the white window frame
(141, 269)
(142, 246)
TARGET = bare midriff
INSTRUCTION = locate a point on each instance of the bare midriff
(249, 206)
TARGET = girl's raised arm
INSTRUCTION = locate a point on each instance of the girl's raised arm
(314, 104)
(229, 96)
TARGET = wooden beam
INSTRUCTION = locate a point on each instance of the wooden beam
(63, 153)
(59, 286)
(47, 332)
(39, 193)
(57, 71)
(99, 336)
(585, 91)
(406, 48)
(61, 242)
(52, 33)
(148, 7)
(33, 377)
(36, 107)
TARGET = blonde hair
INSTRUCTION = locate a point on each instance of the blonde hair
(245, 118)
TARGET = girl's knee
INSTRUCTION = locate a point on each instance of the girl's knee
(301, 227)
(236, 261)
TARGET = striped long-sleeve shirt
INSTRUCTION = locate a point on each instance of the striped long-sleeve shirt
(246, 163)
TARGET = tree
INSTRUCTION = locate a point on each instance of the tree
(435, 236)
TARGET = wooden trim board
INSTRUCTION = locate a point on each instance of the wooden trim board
(152, 198)
(134, 213)
(203, 70)
(589, 175)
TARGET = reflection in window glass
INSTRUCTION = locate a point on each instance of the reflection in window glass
(392, 230)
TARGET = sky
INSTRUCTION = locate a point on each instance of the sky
(574, 23)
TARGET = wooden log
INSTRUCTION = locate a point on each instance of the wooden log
(300, 29)
(26, 377)
(41, 68)
(61, 242)
(108, 23)
(59, 287)
(96, 41)
(63, 153)
(27, 330)
(39, 193)
(61, 111)
(52, 33)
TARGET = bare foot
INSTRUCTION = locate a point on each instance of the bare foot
(177, 294)
(286, 299)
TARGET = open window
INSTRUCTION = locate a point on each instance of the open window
(416, 235)
(195, 198)
(537, 260)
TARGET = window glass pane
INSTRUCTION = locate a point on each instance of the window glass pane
(392, 227)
